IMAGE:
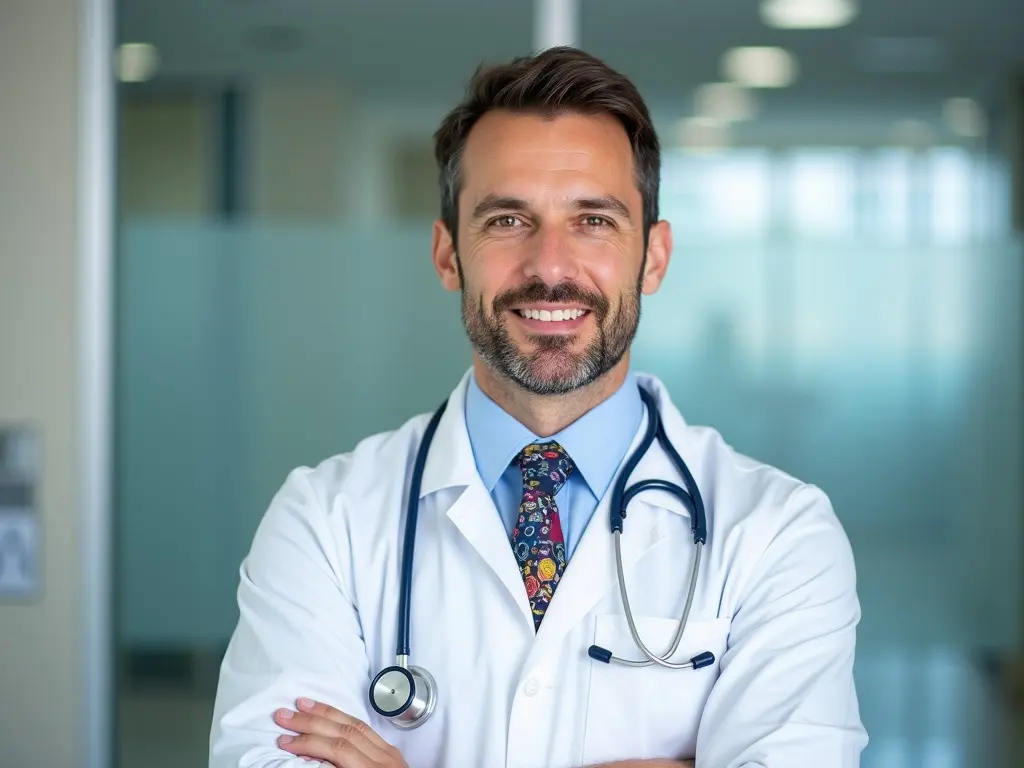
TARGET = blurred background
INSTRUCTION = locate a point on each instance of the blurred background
(846, 189)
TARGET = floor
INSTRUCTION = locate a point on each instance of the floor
(923, 709)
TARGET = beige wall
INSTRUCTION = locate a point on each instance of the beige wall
(40, 645)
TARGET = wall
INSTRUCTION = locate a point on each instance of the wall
(40, 668)
(164, 163)
(298, 147)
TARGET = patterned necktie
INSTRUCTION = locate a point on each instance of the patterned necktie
(537, 540)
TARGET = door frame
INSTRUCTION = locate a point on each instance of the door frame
(95, 248)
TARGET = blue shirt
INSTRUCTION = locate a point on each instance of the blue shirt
(596, 442)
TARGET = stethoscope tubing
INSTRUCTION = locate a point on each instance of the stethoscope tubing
(405, 585)
(653, 658)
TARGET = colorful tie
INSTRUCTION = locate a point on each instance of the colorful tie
(537, 539)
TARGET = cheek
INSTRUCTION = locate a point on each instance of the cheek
(612, 281)
(611, 263)
(487, 285)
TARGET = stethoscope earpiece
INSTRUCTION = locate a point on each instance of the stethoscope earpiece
(701, 660)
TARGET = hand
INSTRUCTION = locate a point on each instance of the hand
(329, 734)
(655, 763)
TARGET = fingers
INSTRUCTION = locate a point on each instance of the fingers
(336, 715)
(327, 733)
(340, 751)
(301, 722)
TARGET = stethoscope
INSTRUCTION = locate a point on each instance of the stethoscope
(407, 695)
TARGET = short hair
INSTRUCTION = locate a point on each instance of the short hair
(561, 80)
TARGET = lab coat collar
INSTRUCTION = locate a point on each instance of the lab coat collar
(450, 462)
(450, 465)
(656, 463)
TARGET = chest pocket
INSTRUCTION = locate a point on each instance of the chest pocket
(649, 712)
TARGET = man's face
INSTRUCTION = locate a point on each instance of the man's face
(550, 260)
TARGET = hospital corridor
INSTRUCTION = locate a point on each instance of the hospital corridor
(216, 223)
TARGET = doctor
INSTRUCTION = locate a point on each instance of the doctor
(549, 229)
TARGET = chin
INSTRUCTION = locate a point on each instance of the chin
(555, 373)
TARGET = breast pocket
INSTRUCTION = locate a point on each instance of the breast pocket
(653, 711)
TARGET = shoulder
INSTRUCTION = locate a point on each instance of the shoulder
(776, 529)
(748, 492)
(775, 540)
(759, 516)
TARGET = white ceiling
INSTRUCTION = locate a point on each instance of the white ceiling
(423, 51)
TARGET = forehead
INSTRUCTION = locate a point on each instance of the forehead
(528, 154)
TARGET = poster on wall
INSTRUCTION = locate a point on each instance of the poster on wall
(19, 520)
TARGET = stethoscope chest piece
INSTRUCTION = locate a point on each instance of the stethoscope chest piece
(405, 695)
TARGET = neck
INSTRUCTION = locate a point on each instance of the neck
(546, 415)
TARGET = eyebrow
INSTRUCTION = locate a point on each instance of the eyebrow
(496, 203)
(608, 203)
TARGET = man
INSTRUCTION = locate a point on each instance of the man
(549, 228)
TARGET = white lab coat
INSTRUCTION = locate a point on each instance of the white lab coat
(775, 602)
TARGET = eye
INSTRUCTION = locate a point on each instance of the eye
(505, 222)
(596, 222)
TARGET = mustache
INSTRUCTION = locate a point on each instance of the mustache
(561, 293)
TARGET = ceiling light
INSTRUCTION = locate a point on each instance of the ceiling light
(808, 14)
(136, 62)
(760, 67)
(727, 102)
(964, 117)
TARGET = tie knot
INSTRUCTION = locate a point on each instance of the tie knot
(545, 467)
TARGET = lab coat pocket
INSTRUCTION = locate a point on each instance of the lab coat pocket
(653, 711)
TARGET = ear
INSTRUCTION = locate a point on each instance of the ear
(443, 251)
(659, 252)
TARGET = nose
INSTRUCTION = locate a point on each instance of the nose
(550, 258)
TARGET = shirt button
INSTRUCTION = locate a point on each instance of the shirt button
(531, 687)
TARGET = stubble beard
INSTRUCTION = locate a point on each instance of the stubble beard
(552, 368)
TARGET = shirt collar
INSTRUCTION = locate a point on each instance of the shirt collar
(596, 442)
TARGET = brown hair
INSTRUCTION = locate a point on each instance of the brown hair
(558, 80)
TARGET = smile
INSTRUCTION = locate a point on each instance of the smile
(552, 316)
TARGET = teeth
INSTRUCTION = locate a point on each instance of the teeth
(552, 317)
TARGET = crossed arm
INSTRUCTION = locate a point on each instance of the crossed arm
(327, 734)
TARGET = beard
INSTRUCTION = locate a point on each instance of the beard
(553, 368)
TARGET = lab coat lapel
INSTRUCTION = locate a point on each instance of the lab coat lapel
(477, 519)
(591, 571)
(450, 465)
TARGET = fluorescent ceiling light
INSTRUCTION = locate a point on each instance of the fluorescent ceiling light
(808, 14)
(964, 117)
(136, 62)
(727, 102)
(760, 67)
